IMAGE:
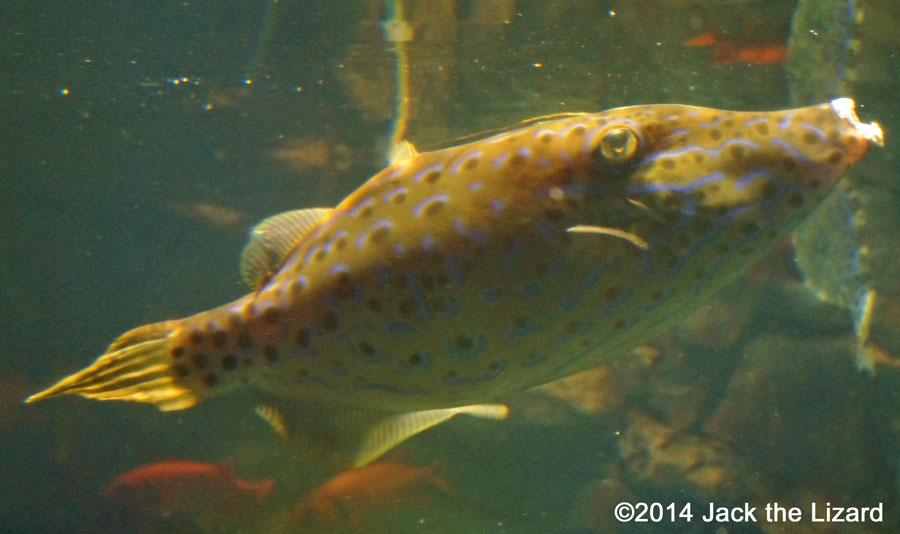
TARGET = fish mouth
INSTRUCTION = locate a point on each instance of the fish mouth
(846, 110)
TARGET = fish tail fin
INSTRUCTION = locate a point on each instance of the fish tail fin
(262, 489)
(136, 367)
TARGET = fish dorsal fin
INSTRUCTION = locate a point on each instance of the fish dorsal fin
(400, 151)
(271, 239)
(392, 431)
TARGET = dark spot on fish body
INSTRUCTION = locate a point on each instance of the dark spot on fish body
(768, 190)
(229, 362)
(749, 228)
(271, 315)
(668, 164)
(571, 327)
(374, 304)
(415, 359)
(197, 337)
(366, 349)
(464, 342)
(715, 134)
(517, 160)
(795, 200)
(431, 176)
(210, 380)
(834, 158)
(245, 341)
(270, 354)
(762, 128)
(329, 321)
(181, 370)
(177, 352)
(789, 164)
(303, 337)
(737, 151)
(407, 307)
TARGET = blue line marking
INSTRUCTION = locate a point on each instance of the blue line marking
(703, 180)
(436, 167)
(338, 268)
(395, 192)
(531, 290)
(400, 328)
(497, 206)
(456, 166)
(498, 161)
(751, 122)
(818, 132)
(365, 203)
(456, 274)
(441, 198)
(418, 296)
(791, 150)
(475, 235)
(518, 333)
(713, 152)
(714, 122)
(749, 177)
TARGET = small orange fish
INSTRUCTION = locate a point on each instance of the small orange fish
(180, 487)
(360, 495)
(728, 52)
(211, 214)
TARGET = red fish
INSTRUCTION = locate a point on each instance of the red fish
(359, 495)
(179, 487)
(727, 52)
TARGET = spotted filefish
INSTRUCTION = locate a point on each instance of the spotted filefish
(455, 276)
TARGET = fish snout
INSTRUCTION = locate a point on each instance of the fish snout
(855, 136)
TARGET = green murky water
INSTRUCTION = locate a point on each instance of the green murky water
(140, 142)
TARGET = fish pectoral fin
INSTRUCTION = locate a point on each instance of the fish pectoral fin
(400, 151)
(272, 239)
(634, 239)
(395, 429)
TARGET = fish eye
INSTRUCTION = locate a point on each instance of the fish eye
(618, 145)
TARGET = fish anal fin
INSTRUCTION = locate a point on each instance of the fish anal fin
(395, 429)
(272, 239)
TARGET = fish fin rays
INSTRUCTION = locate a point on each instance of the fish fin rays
(136, 368)
(396, 429)
(345, 437)
(401, 150)
(634, 239)
(272, 239)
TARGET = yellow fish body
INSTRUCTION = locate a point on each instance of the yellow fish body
(454, 276)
